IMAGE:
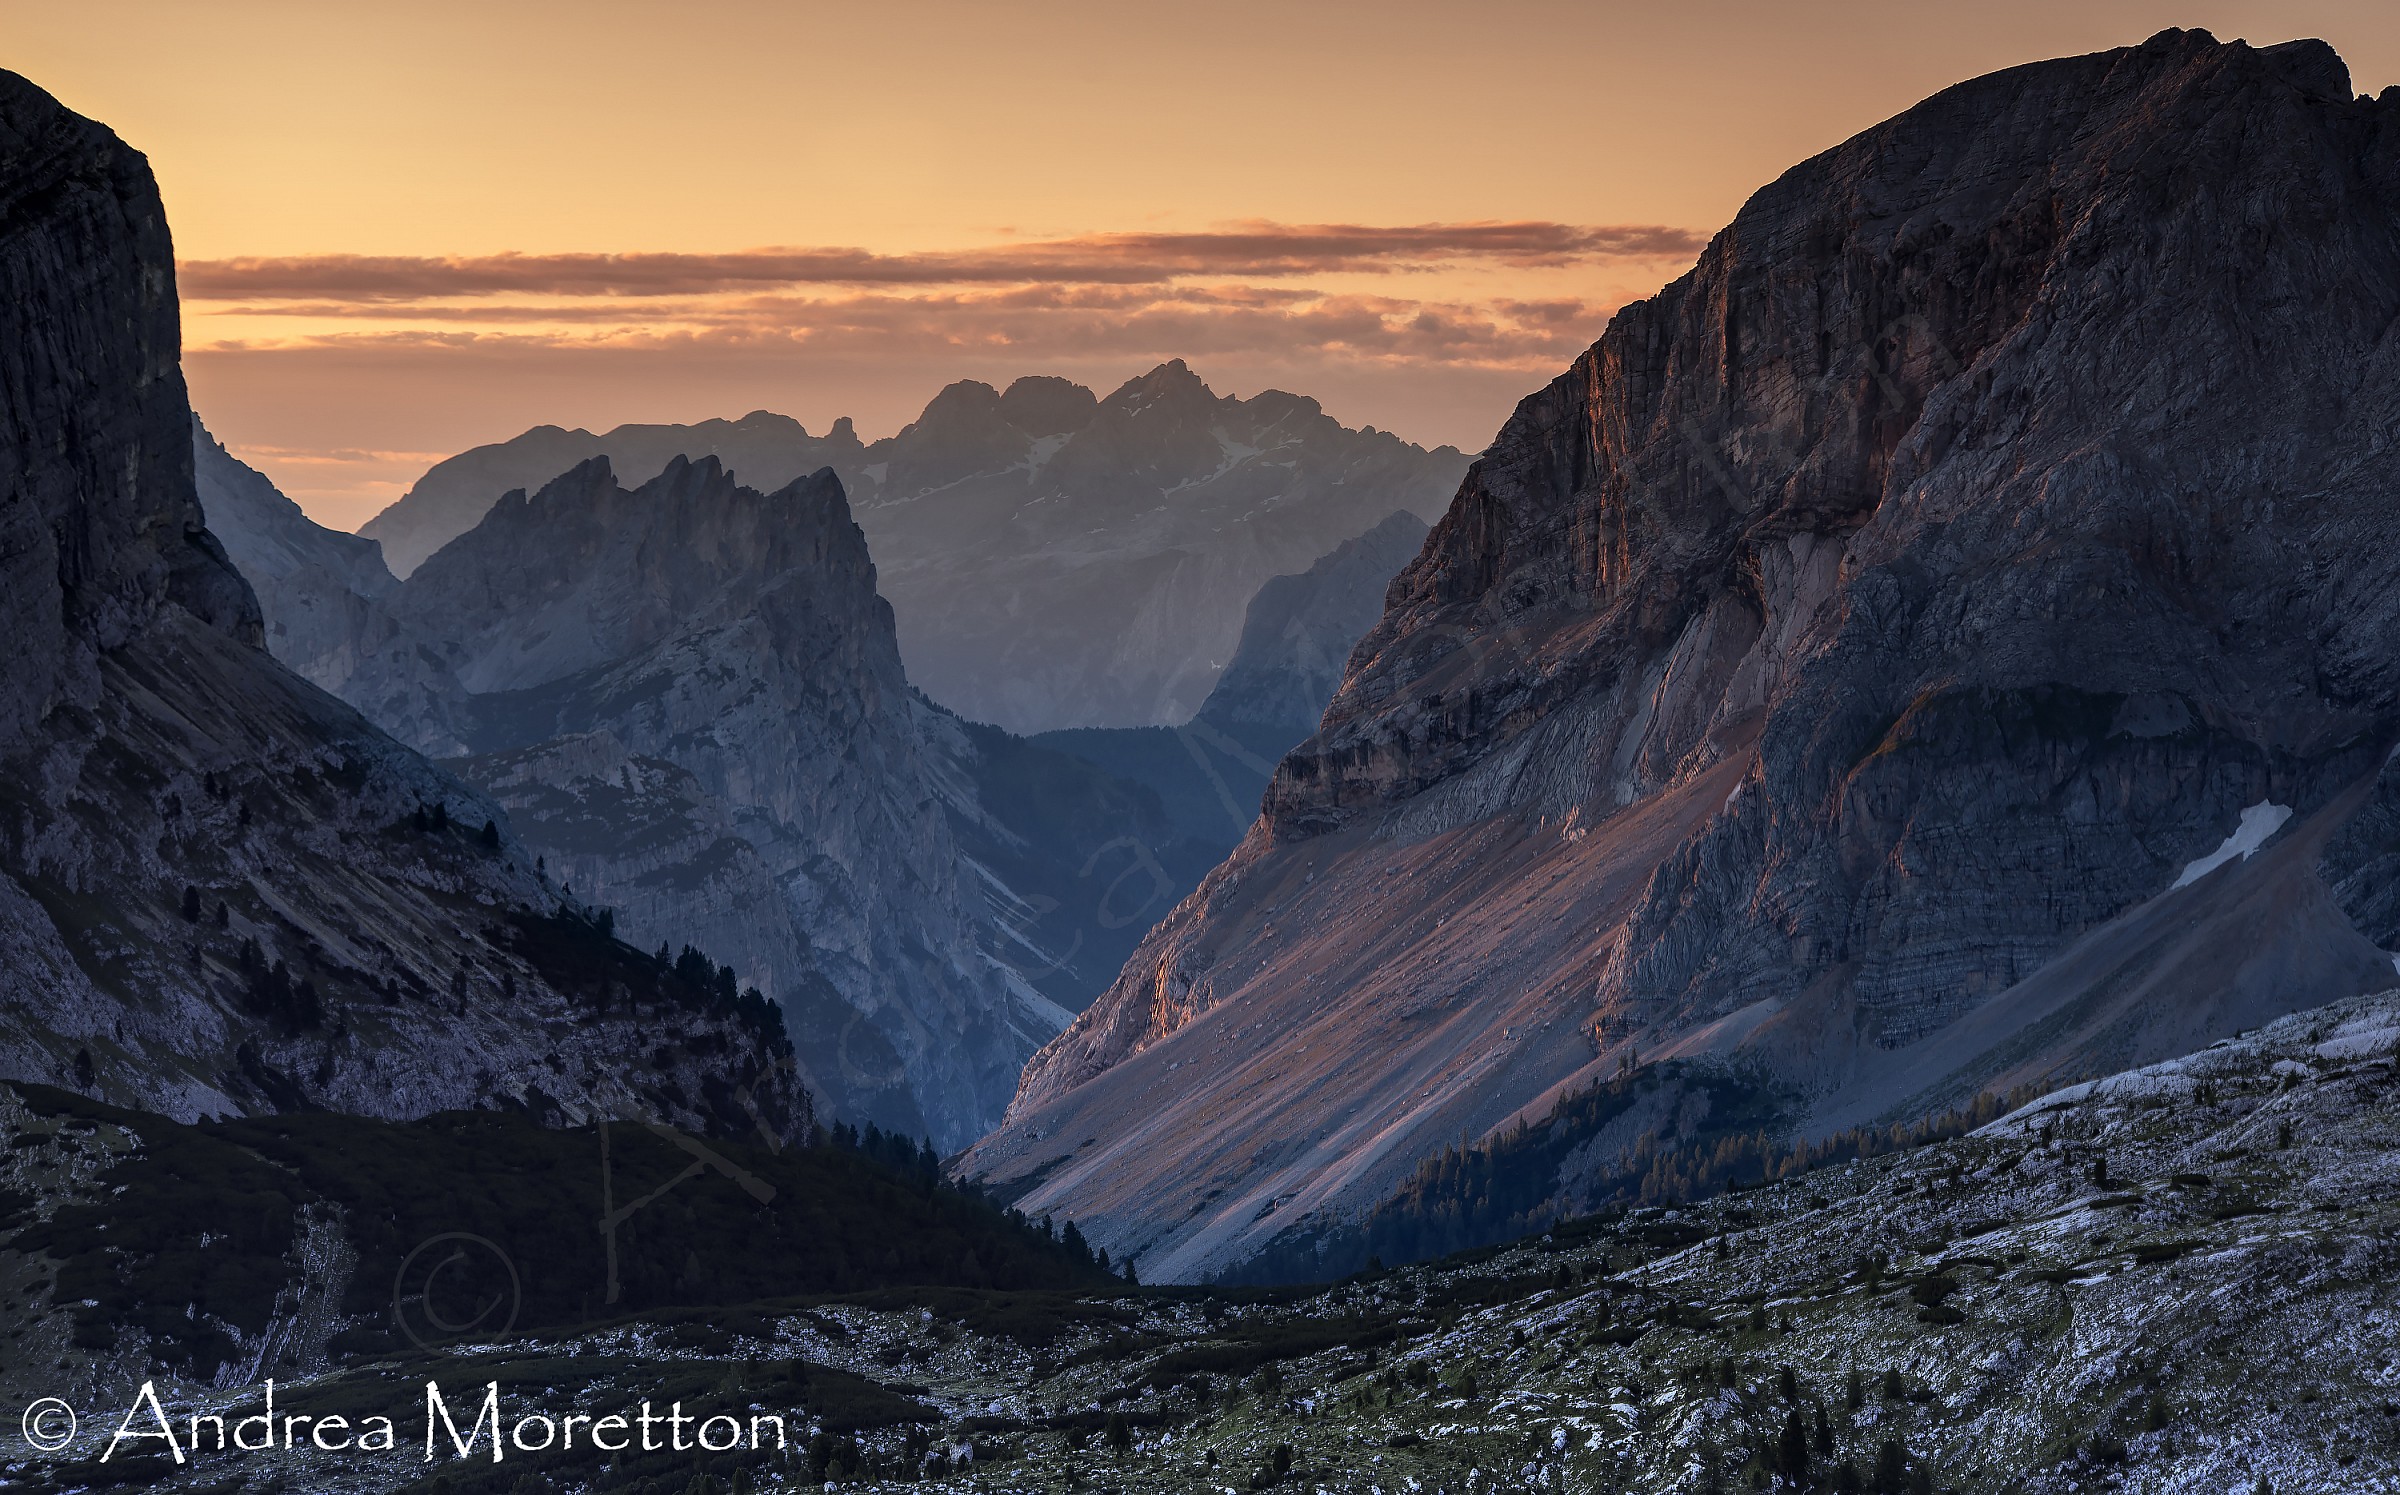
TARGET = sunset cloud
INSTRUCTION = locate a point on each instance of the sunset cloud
(1036, 322)
(344, 369)
(1259, 249)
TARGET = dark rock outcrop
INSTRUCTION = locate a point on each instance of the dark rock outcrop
(1844, 669)
(220, 888)
(765, 450)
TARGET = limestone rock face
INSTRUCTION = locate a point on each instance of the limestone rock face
(100, 530)
(1837, 670)
(1053, 559)
(215, 895)
(690, 698)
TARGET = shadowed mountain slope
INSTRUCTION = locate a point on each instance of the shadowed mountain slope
(222, 890)
(691, 694)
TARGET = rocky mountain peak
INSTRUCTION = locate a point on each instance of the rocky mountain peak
(1840, 667)
(1053, 559)
(586, 571)
(1172, 386)
(2309, 65)
(691, 697)
(98, 527)
(1044, 405)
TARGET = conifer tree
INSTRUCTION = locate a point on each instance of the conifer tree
(1891, 1468)
(1791, 1450)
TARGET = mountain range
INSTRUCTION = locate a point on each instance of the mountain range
(1947, 641)
(1053, 559)
(221, 889)
(1849, 883)
(689, 700)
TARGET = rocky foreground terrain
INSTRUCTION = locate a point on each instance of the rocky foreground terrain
(1948, 640)
(2179, 1278)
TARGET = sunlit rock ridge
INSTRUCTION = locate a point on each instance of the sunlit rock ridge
(1834, 672)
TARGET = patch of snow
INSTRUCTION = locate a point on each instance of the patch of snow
(1233, 452)
(1043, 449)
(2259, 822)
(2366, 1043)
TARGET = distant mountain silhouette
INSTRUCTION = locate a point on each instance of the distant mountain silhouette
(1054, 559)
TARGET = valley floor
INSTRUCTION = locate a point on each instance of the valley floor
(2179, 1279)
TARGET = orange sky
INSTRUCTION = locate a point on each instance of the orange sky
(397, 221)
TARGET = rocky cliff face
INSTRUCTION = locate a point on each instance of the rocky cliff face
(216, 893)
(1054, 559)
(690, 699)
(1848, 668)
(317, 589)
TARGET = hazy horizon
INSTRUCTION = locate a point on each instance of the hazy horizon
(401, 237)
